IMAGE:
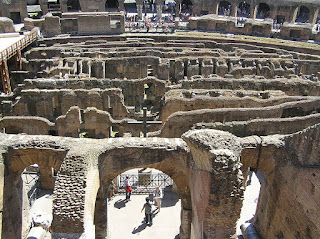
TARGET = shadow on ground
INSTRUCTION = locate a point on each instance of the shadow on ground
(169, 199)
(120, 203)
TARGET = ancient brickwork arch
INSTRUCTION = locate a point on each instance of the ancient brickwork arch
(16, 158)
(289, 164)
(171, 159)
(204, 165)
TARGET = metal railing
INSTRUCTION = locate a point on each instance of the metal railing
(144, 183)
(19, 45)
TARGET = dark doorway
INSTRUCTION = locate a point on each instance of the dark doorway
(263, 11)
(15, 16)
(243, 9)
(303, 14)
(73, 5)
(112, 5)
(224, 8)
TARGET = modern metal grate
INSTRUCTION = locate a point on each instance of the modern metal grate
(144, 183)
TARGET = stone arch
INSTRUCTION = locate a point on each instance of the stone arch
(169, 162)
(225, 8)
(303, 14)
(263, 11)
(15, 161)
(244, 9)
(186, 6)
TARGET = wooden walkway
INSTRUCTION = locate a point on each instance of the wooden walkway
(16, 44)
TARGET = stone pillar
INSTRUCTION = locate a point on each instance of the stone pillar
(159, 4)
(216, 155)
(5, 77)
(186, 219)
(139, 8)
(313, 16)
(63, 6)
(44, 6)
(215, 8)
(100, 215)
(254, 11)
(234, 9)
(178, 8)
(121, 5)
(122, 22)
(47, 181)
(273, 12)
(293, 16)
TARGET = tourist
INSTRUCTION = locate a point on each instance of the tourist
(147, 206)
(112, 189)
(128, 188)
(157, 196)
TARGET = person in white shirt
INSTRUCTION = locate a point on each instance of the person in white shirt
(157, 196)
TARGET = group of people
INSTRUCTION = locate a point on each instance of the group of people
(165, 24)
(157, 196)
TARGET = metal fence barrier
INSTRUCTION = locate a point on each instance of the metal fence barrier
(144, 183)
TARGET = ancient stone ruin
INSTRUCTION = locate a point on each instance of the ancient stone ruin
(210, 108)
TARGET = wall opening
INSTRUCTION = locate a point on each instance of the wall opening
(303, 14)
(143, 181)
(224, 8)
(263, 11)
(251, 198)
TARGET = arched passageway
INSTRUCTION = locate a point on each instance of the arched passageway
(225, 8)
(303, 14)
(16, 196)
(165, 221)
(243, 9)
(111, 5)
(171, 164)
(263, 11)
(73, 5)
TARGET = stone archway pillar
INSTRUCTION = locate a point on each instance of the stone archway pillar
(234, 9)
(293, 15)
(159, 4)
(216, 156)
(215, 8)
(273, 12)
(178, 8)
(63, 6)
(44, 6)
(313, 16)
(47, 181)
(121, 5)
(101, 216)
(139, 8)
(186, 219)
(253, 12)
